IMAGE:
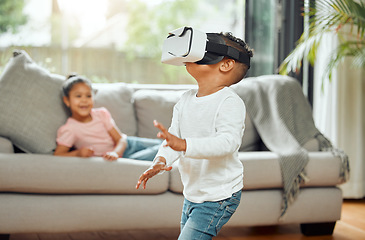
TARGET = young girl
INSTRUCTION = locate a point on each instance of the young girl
(92, 131)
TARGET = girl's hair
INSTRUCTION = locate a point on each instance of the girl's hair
(71, 80)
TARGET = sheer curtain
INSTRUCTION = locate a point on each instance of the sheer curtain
(339, 113)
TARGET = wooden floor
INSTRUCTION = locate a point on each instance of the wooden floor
(350, 227)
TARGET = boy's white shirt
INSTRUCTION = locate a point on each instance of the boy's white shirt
(213, 127)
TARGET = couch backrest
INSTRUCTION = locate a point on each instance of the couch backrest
(154, 102)
(31, 108)
(157, 101)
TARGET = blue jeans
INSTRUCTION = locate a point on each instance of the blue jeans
(204, 220)
(141, 148)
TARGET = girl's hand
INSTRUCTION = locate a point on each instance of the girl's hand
(172, 141)
(157, 167)
(111, 156)
(85, 152)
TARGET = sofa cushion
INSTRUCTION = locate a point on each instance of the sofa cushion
(6, 145)
(117, 98)
(158, 105)
(39, 173)
(154, 105)
(31, 108)
(251, 139)
(323, 169)
(262, 171)
(175, 179)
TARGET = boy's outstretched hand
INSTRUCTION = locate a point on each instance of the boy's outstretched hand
(172, 141)
(158, 166)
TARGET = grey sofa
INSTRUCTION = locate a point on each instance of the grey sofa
(42, 193)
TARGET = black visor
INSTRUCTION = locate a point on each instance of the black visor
(211, 57)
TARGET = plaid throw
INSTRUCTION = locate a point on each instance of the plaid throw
(283, 118)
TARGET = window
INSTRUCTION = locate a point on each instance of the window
(272, 29)
(261, 35)
(115, 40)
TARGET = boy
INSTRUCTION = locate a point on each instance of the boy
(205, 135)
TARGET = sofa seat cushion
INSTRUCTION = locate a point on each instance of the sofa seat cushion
(35, 173)
(262, 171)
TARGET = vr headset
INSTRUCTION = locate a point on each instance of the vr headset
(190, 45)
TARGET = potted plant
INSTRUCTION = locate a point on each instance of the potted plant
(345, 19)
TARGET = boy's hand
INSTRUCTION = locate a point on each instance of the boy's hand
(111, 156)
(172, 141)
(85, 152)
(157, 167)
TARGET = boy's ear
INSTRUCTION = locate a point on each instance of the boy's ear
(66, 101)
(227, 65)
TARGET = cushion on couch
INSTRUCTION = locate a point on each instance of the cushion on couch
(39, 173)
(262, 171)
(117, 98)
(154, 105)
(31, 108)
(6, 145)
(251, 139)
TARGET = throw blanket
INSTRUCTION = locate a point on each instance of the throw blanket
(283, 119)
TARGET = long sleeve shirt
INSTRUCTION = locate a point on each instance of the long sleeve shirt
(213, 127)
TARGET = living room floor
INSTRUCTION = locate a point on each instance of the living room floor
(350, 227)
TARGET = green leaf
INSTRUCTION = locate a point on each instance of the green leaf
(346, 20)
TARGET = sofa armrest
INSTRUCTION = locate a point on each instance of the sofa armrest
(6, 145)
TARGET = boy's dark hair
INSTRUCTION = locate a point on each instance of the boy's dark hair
(71, 80)
(240, 45)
